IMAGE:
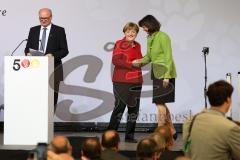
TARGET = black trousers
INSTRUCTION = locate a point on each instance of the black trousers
(56, 89)
(126, 95)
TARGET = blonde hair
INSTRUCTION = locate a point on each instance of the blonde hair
(131, 25)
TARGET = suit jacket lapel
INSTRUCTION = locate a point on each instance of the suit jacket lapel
(50, 37)
(37, 37)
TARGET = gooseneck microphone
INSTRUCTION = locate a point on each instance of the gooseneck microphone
(18, 46)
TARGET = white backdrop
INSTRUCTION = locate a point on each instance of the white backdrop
(91, 24)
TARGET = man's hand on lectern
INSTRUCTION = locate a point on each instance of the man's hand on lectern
(49, 55)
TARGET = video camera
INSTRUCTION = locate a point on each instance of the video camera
(39, 153)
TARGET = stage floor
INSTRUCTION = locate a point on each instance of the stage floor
(123, 145)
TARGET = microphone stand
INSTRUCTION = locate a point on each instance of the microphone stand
(18, 46)
(1, 107)
(205, 53)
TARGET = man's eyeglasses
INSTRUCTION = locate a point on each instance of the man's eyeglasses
(44, 18)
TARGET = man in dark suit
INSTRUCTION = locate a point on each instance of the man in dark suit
(51, 40)
(110, 144)
(91, 149)
(147, 149)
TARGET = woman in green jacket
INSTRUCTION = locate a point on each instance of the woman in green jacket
(163, 73)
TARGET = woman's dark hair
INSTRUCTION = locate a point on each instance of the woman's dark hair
(151, 23)
(218, 92)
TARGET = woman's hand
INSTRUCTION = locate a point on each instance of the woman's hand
(165, 82)
(136, 63)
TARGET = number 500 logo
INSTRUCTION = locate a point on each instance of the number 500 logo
(25, 63)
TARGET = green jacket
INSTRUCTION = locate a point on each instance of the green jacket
(159, 52)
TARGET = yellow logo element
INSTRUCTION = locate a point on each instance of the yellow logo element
(35, 63)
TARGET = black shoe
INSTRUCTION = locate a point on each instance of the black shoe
(131, 140)
(175, 136)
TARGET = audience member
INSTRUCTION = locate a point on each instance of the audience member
(165, 132)
(167, 154)
(91, 149)
(62, 147)
(147, 149)
(53, 156)
(110, 144)
(182, 158)
(159, 141)
(210, 135)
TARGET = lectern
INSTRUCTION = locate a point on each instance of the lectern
(28, 100)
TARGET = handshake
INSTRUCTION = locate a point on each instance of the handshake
(137, 63)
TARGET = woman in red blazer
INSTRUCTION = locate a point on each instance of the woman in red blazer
(127, 80)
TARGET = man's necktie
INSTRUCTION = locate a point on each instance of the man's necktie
(43, 41)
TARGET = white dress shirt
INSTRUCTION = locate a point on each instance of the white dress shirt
(47, 35)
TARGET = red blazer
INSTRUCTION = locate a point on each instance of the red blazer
(123, 55)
